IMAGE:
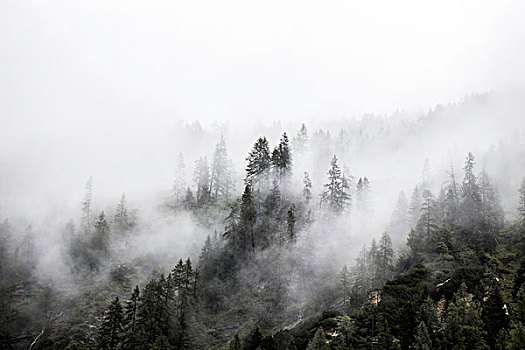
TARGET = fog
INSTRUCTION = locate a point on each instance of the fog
(120, 92)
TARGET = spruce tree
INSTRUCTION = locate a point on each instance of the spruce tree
(385, 257)
(259, 161)
(201, 177)
(470, 206)
(122, 220)
(290, 222)
(222, 181)
(100, 240)
(336, 195)
(247, 219)
(111, 330)
(493, 314)
(414, 208)
(307, 189)
(130, 319)
(179, 183)
(427, 220)
(87, 208)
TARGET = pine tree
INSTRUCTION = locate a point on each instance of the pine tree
(222, 181)
(130, 319)
(414, 209)
(491, 209)
(398, 223)
(110, 332)
(189, 199)
(247, 219)
(452, 200)
(300, 142)
(232, 222)
(259, 162)
(470, 206)
(179, 183)
(493, 314)
(87, 208)
(282, 159)
(335, 196)
(363, 196)
(307, 189)
(290, 222)
(123, 221)
(427, 220)
(385, 257)
(201, 177)
(100, 240)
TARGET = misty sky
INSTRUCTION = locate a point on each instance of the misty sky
(80, 77)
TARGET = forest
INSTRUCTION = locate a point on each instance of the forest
(288, 249)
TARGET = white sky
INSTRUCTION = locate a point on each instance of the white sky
(109, 61)
(82, 81)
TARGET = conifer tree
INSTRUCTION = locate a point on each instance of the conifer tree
(414, 209)
(398, 222)
(259, 161)
(87, 208)
(491, 210)
(493, 314)
(202, 180)
(385, 257)
(470, 206)
(179, 183)
(363, 195)
(130, 320)
(247, 219)
(300, 141)
(336, 195)
(452, 195)
(100, 240)
(123, 221)
(290, 222)
(307, 189)
(110, 333)
(222, 179)
(427, 220)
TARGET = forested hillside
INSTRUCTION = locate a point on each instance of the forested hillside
(298, 247)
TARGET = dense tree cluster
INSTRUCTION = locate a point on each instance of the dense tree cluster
(458, 282)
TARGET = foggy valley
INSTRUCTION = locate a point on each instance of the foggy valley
(182, 177)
